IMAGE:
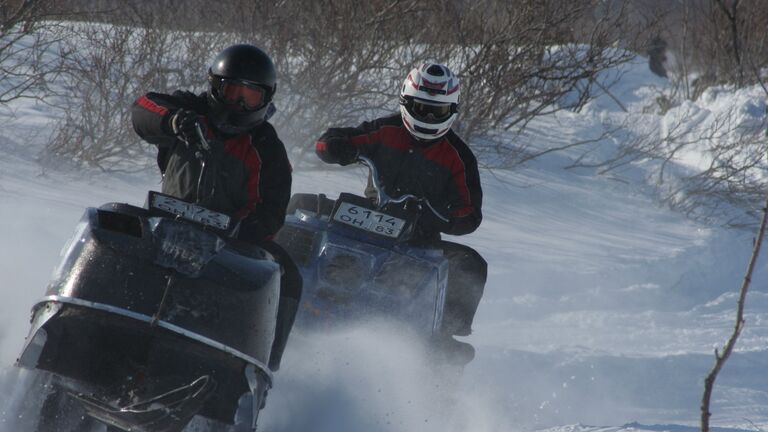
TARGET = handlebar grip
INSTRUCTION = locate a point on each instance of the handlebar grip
(201, 135)
(384, 199)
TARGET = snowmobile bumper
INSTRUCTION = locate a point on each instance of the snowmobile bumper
(169, 412)
(100, 346)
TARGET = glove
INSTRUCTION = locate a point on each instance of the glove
(338, 150)
(429, 219)
(252, 231)
(184, 125)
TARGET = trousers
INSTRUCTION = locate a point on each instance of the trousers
(467, 274)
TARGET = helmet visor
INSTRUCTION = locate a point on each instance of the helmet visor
(247, 95)
(430, 112)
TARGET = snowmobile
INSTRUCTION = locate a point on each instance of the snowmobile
(153, 316)
(357, 260)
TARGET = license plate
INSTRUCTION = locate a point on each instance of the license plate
(189, 211)
(369, 220)
(183, 249)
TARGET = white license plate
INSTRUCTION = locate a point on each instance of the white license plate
(189, 211)
(369, 220)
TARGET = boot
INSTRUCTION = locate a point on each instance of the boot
(453, 351)
(286, 315)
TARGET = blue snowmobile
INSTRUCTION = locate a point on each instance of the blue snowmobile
(357, 261)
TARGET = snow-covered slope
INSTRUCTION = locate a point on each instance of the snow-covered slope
(602, 307)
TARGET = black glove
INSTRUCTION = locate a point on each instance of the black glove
(341, 150)
(184, 124)
(430, 220)
(252, 231)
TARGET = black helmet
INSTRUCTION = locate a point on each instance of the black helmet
(242, 84)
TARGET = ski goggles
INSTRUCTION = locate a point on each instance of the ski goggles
(248, 95)
(429, 112)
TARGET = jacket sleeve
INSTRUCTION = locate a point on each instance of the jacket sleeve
(466, 198)
(340, 145)
(151, 113)
(268, 215)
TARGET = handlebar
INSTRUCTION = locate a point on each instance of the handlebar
(203, 142)
(384, 198)
(204, 146)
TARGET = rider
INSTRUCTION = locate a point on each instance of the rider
(416, 152)
(252, 179)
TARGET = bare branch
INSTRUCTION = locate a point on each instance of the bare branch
(720, 359)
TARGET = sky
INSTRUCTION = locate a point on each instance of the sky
(602, 309)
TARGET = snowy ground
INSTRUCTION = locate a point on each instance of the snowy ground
(602, 307)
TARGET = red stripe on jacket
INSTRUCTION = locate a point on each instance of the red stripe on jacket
(391, 136)
(242, 148)
(151, 106)
(446, 155)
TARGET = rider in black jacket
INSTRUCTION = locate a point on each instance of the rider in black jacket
(248, 174)
(416, 152)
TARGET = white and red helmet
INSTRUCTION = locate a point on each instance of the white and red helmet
(429, 101)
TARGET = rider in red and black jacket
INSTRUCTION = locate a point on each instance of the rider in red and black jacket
(416, 152)
(253, 181)
(443, 170)
(246, 170)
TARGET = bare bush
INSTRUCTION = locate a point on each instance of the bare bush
(328, 69)
(341, 61)
(118, 64)
(342, 65)
(26, 39)
(529, 59)
(716, 42)
(731, 180)
(708, 167)
(347, 61)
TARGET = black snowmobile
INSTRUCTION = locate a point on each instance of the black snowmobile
(153, 316)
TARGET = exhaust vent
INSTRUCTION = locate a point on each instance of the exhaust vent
(118, 222)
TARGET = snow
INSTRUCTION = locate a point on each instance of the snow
(602, 308)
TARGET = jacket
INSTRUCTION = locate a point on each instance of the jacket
(443, 171)
(248, 176)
